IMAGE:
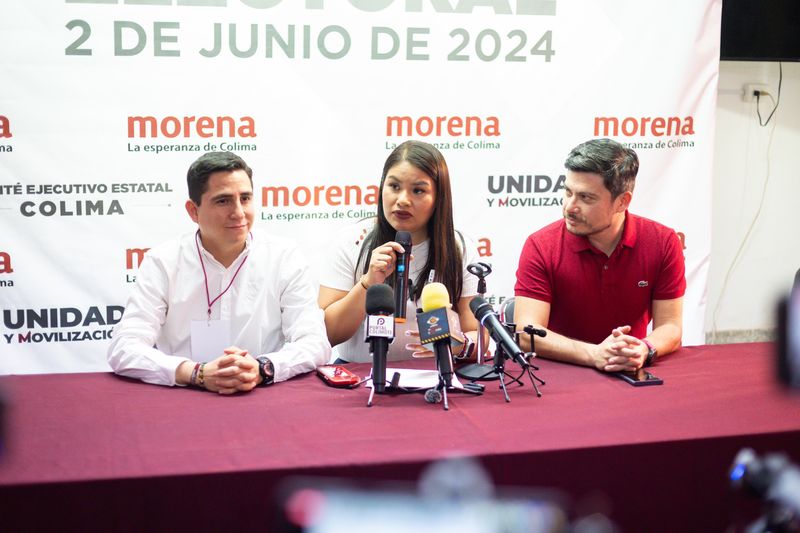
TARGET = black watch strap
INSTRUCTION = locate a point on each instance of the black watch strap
(652, 353)
(266, 370)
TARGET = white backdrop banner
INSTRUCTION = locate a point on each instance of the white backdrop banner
(105, 103)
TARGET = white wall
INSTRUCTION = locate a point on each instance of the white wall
(744, 160)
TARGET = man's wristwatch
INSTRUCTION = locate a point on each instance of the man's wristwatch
(266, 370)
(652, 353)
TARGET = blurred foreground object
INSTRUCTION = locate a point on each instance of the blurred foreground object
(775, 481)
(453, 495)
(788, 339)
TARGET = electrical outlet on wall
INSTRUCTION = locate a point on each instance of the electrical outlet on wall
(749, 94)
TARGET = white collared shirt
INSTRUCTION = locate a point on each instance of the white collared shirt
(272, 308)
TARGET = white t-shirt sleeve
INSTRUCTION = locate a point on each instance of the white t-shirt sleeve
(342, 256)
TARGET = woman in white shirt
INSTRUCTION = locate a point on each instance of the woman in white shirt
(414, 197)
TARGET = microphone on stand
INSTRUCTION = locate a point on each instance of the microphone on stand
(379, 330)
(507, 347)
(480, 270)
(401, 285)
(439, 328)
(488, 318)
(479, 370)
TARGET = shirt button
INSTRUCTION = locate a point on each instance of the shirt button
(605, 267)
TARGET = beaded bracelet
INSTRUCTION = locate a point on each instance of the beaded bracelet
(200, 380)
(466, 350)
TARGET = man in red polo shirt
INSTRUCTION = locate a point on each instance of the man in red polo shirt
(596, 278)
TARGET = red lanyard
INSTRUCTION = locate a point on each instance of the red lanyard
(205, 276)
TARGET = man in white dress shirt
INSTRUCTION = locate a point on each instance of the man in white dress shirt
(219, 308)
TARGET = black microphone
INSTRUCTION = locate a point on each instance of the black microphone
(530, 330)
(488, 318)
(439, 328)
(379, 330)
(402, 238)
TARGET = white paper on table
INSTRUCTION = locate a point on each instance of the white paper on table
(416, 379)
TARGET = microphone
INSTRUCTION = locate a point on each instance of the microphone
(379, 330)
(402, 238)
(439, 328)
(488, 318)
(530, 330)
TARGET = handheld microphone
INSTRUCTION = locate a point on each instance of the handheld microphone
(488, 318)
(402, 238)
(379, 330)
(439, 328)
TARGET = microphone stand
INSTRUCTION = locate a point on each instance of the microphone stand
(522, 359)
(499, 369)
(391, 386)
(480, 371)
(444, 368)
(439, 392)
(532, 331)
(433, 395)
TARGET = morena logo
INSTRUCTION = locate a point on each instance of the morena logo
(424, 126)
(134, 257)
(642, 126)
(5, 127)
(484, 247)
(205, 127)
(6, 268)
(5, 263)
(333, 195)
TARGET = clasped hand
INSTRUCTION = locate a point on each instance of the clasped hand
(620, 352)
(235, 371)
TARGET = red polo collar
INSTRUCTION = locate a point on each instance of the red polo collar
(580, 243)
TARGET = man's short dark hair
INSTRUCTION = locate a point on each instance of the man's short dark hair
(207, 164)
(617, 164)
